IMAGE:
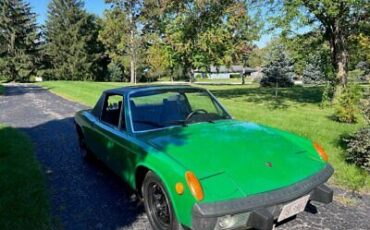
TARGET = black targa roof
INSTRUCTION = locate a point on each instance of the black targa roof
(130, 89)
(96, 111)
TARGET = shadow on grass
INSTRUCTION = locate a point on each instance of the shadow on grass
(311, 95)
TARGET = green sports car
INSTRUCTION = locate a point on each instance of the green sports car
(195, 166)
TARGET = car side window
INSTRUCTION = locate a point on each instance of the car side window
(113, 110)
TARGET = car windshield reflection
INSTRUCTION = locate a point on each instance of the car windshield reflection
(160, 109)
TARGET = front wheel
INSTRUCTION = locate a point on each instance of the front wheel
(158, 204)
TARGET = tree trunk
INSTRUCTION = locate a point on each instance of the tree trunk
(132, 57)
(276, 88)
(187, 71)
(132, 71)
(190, 74)
(339, 55)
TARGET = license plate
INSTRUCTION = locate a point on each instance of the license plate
(293, 208)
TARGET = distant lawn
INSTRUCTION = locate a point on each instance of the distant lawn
(24, 202)
(84, 92)
(296, 110)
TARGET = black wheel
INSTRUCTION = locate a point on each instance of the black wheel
(158, 204)
(84, 150)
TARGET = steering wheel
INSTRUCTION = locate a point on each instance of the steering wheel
(195, 112)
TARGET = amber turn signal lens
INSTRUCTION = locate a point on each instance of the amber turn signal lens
(179, 188)
(194, 185)
(320, 150)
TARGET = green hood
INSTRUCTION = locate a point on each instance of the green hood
(234, 159)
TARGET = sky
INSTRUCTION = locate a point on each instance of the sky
(40, 8)
(97, 7)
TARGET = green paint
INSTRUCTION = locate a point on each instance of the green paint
(231, 158)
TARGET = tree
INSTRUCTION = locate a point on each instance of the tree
(279, 72)
(310, 49)
(337, 21)
(256, 58)
(158, 58)
(201, 33)
(312, 74)
(115, 72)
(72, 49)
(131, 10)
(114, 35)
(19, 40)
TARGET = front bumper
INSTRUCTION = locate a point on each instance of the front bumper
(262, 209)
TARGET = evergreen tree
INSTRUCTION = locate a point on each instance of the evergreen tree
(279, 71)
(19, 39)
(312, 74)
(72, 48)
(315, 70)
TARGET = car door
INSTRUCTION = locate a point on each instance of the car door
(116, 144)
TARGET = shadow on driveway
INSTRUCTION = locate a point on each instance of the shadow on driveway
(85, 195)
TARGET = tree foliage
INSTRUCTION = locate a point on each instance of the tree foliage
(114, 35)
(158, 58)
(169, 36)
(126, 13)
(19, 38)
(205, 33)
(337, 20)
(71, 48)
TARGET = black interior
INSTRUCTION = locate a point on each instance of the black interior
(159, 115)
(111, 113)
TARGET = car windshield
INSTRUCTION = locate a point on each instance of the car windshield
(163, 108)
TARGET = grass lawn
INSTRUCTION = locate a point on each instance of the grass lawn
(24, 201)
(296, 110)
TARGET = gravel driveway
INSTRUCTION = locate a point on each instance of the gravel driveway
(88, 196)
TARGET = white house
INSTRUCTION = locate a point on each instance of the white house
(223, 72)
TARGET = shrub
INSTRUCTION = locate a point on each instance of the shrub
(358, 148)
(235, 75)
(115, 72)
(364, 66)
(327, 94)
(347, 103)
(356, 75)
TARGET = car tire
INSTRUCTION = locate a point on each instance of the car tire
(158, 205)
(84, 150)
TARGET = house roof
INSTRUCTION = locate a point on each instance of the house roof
(225, 69)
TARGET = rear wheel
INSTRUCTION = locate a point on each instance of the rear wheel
(84, 150)
(158, 205)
